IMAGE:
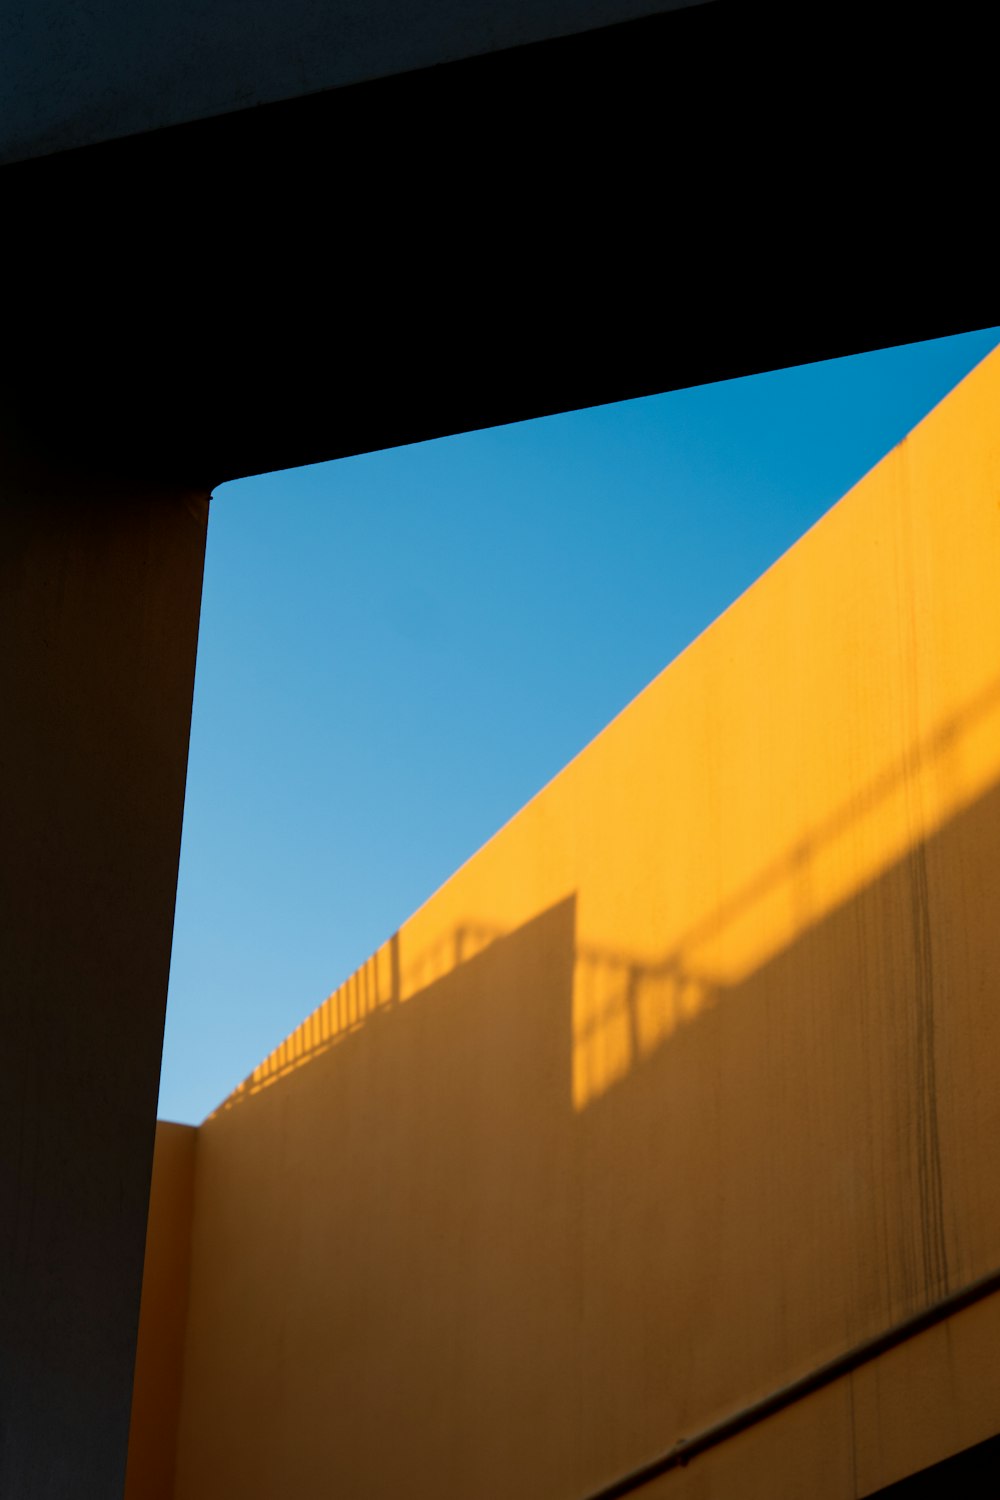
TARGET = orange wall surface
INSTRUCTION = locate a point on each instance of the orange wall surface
(684, 1084)
(156, 1392)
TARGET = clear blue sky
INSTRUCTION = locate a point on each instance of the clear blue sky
(398, 650)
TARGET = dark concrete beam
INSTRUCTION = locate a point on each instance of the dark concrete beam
(76, 75)
(690, 197)
(99, 598)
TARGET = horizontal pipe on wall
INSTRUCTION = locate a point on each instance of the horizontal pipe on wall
(686, 1449)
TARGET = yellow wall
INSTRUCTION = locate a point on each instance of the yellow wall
(685, 1083)
(933, 1396)
(156, 1391)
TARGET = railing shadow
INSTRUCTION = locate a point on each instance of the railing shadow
(431, 1229)
(625, 1004)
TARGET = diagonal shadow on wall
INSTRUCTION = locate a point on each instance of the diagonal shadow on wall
(418, 1228)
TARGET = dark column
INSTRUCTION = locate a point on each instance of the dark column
(100, 586)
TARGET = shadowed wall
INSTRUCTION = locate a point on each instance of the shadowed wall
(159, 1355)
(683, 1085)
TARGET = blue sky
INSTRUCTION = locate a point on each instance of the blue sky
(398, 650)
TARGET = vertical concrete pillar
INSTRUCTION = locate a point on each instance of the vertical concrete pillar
(100, 586)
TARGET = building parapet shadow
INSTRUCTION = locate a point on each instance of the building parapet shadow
(627, 1004)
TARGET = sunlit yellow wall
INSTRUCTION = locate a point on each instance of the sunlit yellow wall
(686, 1082)
(156, 1391)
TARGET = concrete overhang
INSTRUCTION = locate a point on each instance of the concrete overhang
(76, 75)
(686, 196)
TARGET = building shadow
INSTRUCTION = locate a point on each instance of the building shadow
(421, 1226)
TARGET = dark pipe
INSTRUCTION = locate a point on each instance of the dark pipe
(685, 1449)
